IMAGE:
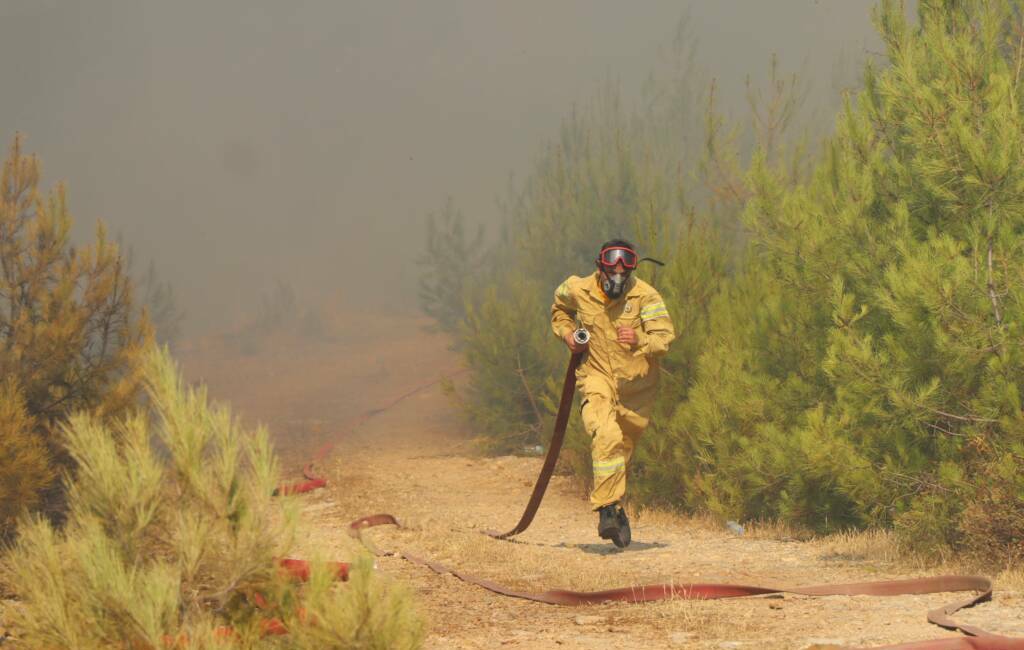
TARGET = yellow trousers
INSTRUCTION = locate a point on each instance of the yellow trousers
(615, 419)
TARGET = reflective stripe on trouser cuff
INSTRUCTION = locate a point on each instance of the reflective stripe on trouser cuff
(609, 467)
(609, 482)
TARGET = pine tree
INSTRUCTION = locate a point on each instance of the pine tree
(25, 465)
(863, 368)
(70, 338)
(448, 265)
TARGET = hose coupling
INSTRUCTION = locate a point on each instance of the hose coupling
(581, 336)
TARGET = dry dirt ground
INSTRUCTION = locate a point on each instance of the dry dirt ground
(415, 461)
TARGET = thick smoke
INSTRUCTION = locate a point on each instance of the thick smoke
(243, 143)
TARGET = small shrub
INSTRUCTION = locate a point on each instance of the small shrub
(171, 528)
(992, 524)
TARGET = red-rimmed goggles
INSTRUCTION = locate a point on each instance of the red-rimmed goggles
(614, 255)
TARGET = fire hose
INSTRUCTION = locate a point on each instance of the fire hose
(976, 639)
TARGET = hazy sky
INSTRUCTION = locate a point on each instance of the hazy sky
(238, 143)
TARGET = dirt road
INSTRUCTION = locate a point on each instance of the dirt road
(415, 461)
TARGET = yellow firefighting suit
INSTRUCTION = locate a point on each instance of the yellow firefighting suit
(617, 382)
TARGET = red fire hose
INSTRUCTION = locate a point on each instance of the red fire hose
(977, 639)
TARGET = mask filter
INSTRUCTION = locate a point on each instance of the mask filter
(613, 284)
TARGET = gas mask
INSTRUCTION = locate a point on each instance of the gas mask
(614, 284)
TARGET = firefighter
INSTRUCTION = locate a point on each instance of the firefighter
(630, 328)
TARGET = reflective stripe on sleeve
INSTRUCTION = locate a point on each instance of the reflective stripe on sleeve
(657, 310)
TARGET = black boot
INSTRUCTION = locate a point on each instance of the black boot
(625, 536)
(613, 525)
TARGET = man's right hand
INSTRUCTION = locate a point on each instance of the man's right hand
(571, 343)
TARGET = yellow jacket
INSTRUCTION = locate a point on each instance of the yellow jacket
(581, 302)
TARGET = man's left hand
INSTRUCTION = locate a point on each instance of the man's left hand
(628, 336)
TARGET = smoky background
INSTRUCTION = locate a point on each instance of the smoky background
(246, 146)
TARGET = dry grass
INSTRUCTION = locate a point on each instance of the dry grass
(1011, 579)
(772, 529)
(524, 567)
(314, 537)
(673, 520)
(6, 592)
(6, 580)
(3, 619)
(881, 547)
(702, 619)
(777, 530)
(874, 545)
